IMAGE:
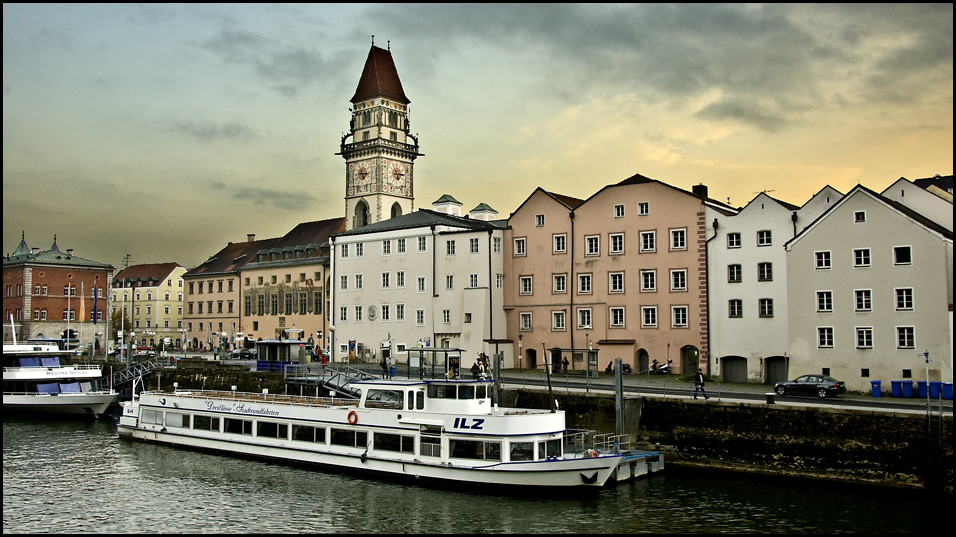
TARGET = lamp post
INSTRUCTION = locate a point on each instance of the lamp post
(587, 357)
(520, 337)
(129, 347)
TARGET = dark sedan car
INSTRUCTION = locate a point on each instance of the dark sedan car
(820, 385)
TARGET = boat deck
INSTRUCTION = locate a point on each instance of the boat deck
(301, 400)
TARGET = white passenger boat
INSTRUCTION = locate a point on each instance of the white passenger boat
(442, 430)
(40, 379)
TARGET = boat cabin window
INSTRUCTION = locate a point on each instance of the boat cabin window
(549, 449)
(442, 391)
(205, 423)
(394, 442)
(234, 426)
(348, 437)
(394, 399)
(522, 451)
(151, 416)
(475, 449)
(466, 392)
(306, 433)
(453, 391)
(416, 400)
(175, 419)
(271, 429)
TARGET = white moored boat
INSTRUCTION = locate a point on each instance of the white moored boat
(443, 430)
(40, 379)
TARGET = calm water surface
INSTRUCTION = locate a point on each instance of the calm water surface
(71, 477)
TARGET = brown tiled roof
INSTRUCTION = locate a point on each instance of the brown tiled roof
(150, 272)
(380, 78)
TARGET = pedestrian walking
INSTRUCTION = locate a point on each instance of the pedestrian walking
(699, 384)
(384, 368)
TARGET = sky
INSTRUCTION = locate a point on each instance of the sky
(160, 133)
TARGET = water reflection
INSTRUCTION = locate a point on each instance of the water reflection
(80, 477)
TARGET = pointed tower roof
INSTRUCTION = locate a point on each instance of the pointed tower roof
(379, 78)
(22, 248)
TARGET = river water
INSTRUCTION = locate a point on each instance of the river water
(79, 477)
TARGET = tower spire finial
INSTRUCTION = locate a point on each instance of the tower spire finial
(373, 40)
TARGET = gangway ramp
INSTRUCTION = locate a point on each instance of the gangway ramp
(336, 378)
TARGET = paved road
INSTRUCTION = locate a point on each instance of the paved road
(663, 386)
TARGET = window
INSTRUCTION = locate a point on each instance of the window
(679, 280)
(472, 281)
(539, 220)
(733, 240)
(618, 211)
(525, 283)
(557, 320)
(764, 238)
(400, 279)
(386, 247)
(859, 216)
(419, 317)
(617, 243)
(584, 284)
(400, 246)
(824, 301)
(343, 251)
(649, 316)
(734, 274)
(616, 317)
(904, 299)
(360, 249)
(864, 337)
(520, 247)
(902, 255)
(764, 272)
(560, 244)
(446, 316)
(420, 284)
(592, 245)
(386, 310)
(861, 257)
(643, 208)
(359, 282)
(766, 307)
(678, 239)
(825, 337)
(386, 280)
(736, 308)
(905, 337)
(615, 282)
(648, 280)
(584, 318)
(450, 281)
(524, 320)
(450, 247)
(864, 300)
(648, 241)
(822, 260)
(679, 316)
(560, 282)
(422, 244)
(358, 313)
(400, 312)
(473, 246)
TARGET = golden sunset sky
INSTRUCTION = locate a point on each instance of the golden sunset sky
(166, 131)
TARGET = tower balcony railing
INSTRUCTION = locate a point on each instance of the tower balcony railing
(380, 142)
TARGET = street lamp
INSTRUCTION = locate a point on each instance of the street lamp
(587, 358)
(520, 354)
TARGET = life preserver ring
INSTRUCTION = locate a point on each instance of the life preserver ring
(353, 417)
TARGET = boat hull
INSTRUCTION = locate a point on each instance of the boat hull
(65, 405)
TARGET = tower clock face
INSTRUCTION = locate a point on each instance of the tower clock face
(396, 177)
(361, 177)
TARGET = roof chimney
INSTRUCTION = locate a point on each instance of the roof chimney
(251, 237)
(69, 251)
(700, 190)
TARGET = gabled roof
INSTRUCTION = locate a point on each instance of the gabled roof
(379, 78)
(424, 218)
(785, 205)
(569, 202)
(917, 218)
(155, 272)
(943, 182)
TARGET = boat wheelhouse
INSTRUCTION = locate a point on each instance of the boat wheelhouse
(442, 430)
(41, 379)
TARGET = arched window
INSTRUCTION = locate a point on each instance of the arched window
(396, 210)
(361, 214)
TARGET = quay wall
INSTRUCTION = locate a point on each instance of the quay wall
(815, 442)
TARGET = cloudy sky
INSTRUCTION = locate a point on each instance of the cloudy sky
(166, 131)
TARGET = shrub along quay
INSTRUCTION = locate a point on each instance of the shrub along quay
(818, 442)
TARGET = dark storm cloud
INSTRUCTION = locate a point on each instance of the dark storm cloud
(787, 58)
(277, 198)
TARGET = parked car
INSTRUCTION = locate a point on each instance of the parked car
(820, 385)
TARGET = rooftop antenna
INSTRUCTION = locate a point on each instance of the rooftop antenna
(764, 191)
(373, 40)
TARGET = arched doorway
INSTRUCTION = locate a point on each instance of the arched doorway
(689, 360)
(532, 358)
(396, 210)
(733, 369)
(361, 214)
(776, 369)
(643, 360)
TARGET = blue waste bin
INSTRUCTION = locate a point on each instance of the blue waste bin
(907, 388)
(392, 371)
(921, 388)
(934, 387)
(947, 390)
(875, 387)
(897, 388)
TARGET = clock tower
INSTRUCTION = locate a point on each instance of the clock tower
(379, 151)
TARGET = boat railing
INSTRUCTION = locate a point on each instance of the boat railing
(251, 397)
(67, 367)
(579, 441)
(40, 394)
(614, 443)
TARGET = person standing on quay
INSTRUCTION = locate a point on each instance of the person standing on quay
(699, 384)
